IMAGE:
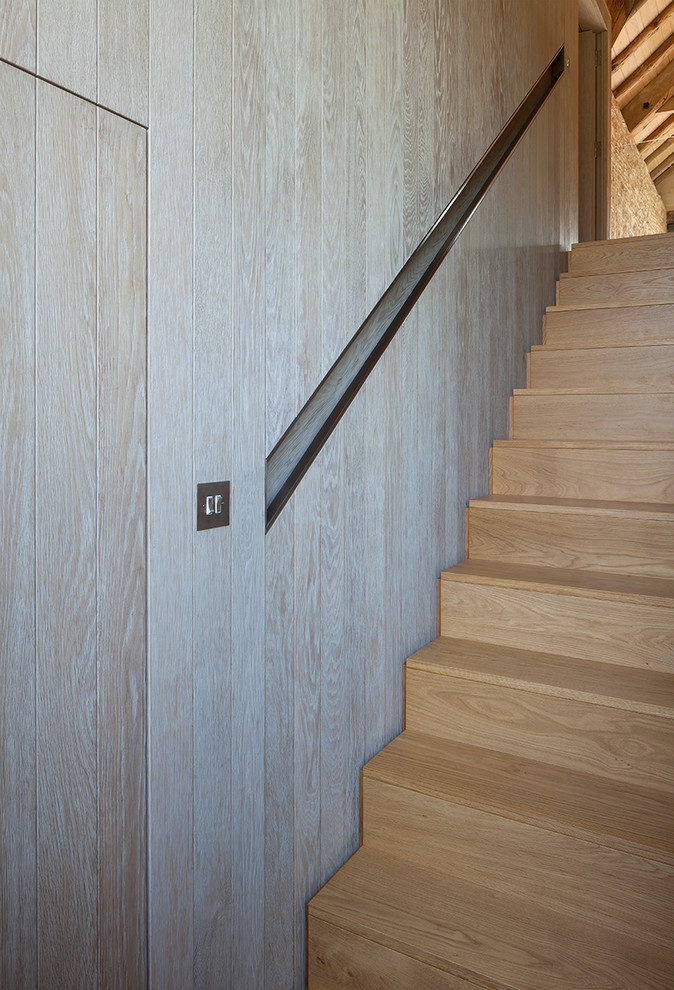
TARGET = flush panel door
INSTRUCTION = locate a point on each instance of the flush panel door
(72, 532)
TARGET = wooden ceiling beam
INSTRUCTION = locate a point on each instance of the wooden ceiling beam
(661, 131)
(658, 59)
(659, 154)
(663, 167)
(645, 104)
(621, 11)
(637, 42)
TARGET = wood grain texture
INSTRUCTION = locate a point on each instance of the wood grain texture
(623, 542)
(67, 851)
(248, 457)
(630, 895)
(617, 744)
(123, 57)
(656, 285)
(592, 629)
(631, 817)
(592, 416)
(627, 688)
(648, 369)
(18, 38)
(583, 472)
(306, 503)
(367, 900)
(67, 45)
(622, 255)
(374, 454)
(341, 742)
(214, 815)
(280, 204)
(121, 484)
(170, 500)
(341, 959)
(616, 326)
(18, 938)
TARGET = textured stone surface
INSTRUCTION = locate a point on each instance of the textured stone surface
(636, 207)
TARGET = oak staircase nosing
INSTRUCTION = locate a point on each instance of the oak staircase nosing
(519, 833)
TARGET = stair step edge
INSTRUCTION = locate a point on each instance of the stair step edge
(637, 690)
(517, 788)
(576, 506)
(565, 581)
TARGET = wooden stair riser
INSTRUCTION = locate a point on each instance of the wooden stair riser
(613, 743)
(544, 866)
(610, 289)
(624, 816)
(640, 254)
(627, 545)
(567, 472)
(568, 625)
(627, 326)
(592, 417)
(620, 369)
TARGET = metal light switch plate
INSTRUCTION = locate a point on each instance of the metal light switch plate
(213, 505)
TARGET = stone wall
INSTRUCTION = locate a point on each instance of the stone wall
(636, 207)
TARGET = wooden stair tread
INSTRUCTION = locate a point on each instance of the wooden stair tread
(631, 817)
(665, 265)
(564, 581)
(628, 893)
(608, 304)
(587, 444)
(586, 506)
(487, 938)
(613, 393)
(636, 239)
(648, 691)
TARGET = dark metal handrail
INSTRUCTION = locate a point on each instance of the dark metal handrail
(300, 444)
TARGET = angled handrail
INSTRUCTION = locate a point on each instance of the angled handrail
(302, 441)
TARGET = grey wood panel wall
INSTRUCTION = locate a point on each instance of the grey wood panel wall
(97, 49)
(297, 152)
(72, 566)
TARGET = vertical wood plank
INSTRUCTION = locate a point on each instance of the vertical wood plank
(353, 495)
(413, 481)
(376, 50)
(213, 812)
(123, 52)
(248, 547)
(121, 550)
(339, 773)
(66, 540)
(18, 38)
(431, 483)
(67, 44)
(306, 502)
(396, 524)
(18, 943)
(280, 562)
(171, 512)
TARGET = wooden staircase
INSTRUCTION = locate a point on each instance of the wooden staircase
(519, 833)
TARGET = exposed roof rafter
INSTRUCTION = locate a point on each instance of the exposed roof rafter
(658, 59)
(637, 42)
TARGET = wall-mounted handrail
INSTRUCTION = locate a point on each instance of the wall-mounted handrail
(300, 444)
